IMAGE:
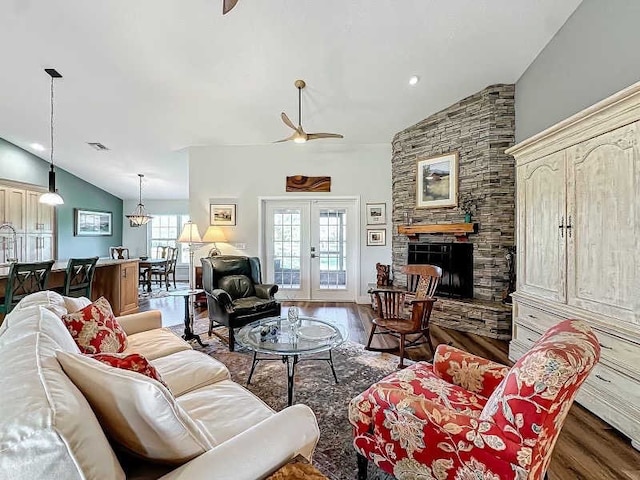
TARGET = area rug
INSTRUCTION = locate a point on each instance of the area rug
(356, 368)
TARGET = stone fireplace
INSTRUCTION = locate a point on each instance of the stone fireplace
(480, 128)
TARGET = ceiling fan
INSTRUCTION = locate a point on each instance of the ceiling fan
(300, 136)
(227, 6)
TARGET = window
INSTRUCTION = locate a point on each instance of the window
(165, 230)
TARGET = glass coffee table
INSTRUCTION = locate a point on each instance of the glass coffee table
(275, 336)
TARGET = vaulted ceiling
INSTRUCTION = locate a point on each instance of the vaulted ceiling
(148, 78)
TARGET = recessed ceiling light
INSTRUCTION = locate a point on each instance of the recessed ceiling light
(414, 80)
(37, 147)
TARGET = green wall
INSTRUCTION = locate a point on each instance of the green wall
(19, 165)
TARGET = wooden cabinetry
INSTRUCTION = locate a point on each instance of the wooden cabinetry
(39, 215)
(129, 287)
(33, 221)
(12, 207)
(578, 228)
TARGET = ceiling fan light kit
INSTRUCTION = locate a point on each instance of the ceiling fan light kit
(299, 135)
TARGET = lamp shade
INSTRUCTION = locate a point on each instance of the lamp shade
(213, 235)
(190, 233)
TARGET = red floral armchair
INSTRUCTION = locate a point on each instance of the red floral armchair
(467, 418)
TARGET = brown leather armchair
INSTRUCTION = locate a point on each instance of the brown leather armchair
(235, 293)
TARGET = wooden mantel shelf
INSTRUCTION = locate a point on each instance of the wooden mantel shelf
(457, 229)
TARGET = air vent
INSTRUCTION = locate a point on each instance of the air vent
(97, 146)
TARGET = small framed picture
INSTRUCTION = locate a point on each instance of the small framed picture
(376, 213)
(223, 215)
(376, 238)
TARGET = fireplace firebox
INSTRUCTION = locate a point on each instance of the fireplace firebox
(456, 261)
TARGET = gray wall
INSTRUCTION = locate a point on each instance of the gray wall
(21, 166)
(594, 55)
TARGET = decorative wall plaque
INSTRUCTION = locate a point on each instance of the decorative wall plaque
(300, 183)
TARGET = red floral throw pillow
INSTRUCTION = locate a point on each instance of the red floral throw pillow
(95, 328)
(133, 362)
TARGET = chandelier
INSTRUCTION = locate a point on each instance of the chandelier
(139, 217)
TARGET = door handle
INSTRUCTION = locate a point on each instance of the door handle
(561, 227)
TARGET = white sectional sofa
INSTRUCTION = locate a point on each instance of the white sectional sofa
(49, 430)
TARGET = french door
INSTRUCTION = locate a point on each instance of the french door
(311, 248)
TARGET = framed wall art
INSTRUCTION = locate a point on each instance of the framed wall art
(376, 213)
(92, 223)
(223, 215)
(376, 237)
(437, 181)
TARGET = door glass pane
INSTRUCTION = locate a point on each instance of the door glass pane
(333, 248)
(286, 247)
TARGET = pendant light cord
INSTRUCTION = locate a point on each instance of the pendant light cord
(51, 123)
(140, 201)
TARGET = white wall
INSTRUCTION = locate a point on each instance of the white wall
(242, 174)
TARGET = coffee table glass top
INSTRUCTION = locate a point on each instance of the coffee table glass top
(275, 336)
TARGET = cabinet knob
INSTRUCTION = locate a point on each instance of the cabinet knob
(569, 227)
(561, 227)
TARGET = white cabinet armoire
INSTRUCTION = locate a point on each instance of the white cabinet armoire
(578, 240)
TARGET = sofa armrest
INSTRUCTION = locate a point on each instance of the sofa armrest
(265, 290)
(473, 373)
(258, 451)
(140, 322)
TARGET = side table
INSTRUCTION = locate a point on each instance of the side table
(188, 314)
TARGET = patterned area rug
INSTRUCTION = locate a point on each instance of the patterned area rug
(356, 368)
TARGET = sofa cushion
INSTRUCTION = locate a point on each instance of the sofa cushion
(74, 304)
(137, 412)
(248, 305)
(133, 362)
(47, 428)
(238, 286)
(189, 370)
(224, 409)
(95, 328)
(155, 343)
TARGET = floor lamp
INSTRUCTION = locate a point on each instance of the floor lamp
(191, 236)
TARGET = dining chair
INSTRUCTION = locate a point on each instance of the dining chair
(78, 277)
(163, 271)
(412, 328)
(24, 279)
(119, 253)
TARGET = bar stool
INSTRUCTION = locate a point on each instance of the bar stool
(78, 277)
(24, 279)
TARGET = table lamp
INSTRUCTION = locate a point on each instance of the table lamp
(214, 235)
(190, 235)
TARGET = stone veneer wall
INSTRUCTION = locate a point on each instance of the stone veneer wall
(480, 128)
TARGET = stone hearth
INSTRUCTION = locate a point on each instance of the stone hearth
(479, 128)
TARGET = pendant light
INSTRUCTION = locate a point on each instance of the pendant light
(139, 217)
(52, 197)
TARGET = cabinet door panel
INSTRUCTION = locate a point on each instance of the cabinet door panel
(128, 287)
(603, 196)
(45, 217)
(541, 245)
(32, 250)
(16, 214)
(7, 251)
(46, 248)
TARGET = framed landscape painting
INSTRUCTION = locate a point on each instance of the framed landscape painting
(223, 215)
(376, 213)
(92, 223)
(437, 181)
(376, 238)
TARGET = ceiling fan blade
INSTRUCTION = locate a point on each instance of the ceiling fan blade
(227, 6)
(286, 139)
(287, 122)
(315, 136)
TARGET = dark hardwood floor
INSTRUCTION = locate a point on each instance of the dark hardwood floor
(588, 448)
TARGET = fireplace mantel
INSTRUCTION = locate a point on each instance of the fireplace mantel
(457, 229)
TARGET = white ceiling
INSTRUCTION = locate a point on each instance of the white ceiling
(148, 78)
